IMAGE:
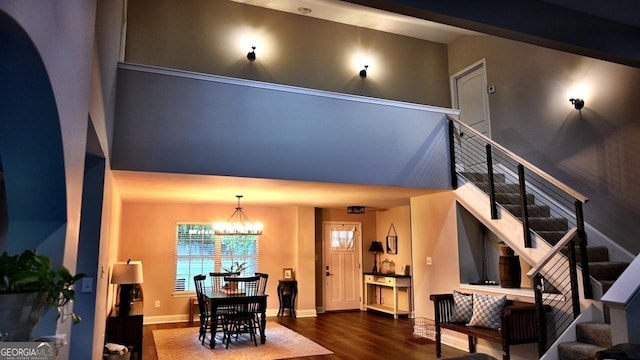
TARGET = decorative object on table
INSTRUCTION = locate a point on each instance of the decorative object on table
(238, 224)
(128, 276)
(509, 268)
(375, 247)
(392, 240)
(28, 283)
(287, 274)
(388, 267)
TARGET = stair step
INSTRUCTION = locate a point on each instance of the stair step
(594, 253)
(606, 285)
(594, 333)
(482, 177)
(607, 270)
(499, 187)
(513, 198)
(548, 224)
(577, 351)
(552, 237)
(533, 210)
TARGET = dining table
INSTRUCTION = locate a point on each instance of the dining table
(219, 298)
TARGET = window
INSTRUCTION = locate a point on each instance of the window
(199, 251)
(342, 239)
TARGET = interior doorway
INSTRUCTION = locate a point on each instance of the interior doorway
(470, 94)
(341, 268)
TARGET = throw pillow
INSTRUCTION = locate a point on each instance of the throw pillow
(487, 310)
(462, 307)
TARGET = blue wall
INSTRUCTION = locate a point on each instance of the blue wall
(179, 122)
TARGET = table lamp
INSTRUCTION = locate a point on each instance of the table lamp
(127, 275)
(375, 247)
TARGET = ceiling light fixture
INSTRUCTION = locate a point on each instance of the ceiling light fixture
(238, 224)
(304, 10)
(251, 55)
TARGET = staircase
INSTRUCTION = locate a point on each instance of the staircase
(591, 338)
(551, 229)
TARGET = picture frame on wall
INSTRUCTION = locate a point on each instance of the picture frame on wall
(287, 273)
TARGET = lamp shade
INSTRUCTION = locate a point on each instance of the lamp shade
(376, 246)
(127, 273)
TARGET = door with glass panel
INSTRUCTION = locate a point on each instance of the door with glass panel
(342, 254)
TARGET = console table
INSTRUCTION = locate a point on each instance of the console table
(397, 283)
(127, 330)
(287, 293)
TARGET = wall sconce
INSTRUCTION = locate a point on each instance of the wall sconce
(251, 55)
(577, 103)
(363, 72)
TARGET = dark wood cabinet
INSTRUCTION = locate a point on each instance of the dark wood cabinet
(127, 330)
(287, 294)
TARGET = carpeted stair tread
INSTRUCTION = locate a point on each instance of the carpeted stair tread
(552, 237)
(548, 224)
(533, 210)
(577, 351)
(482, 177)
(499, 187)
(594, 333)
(607, 270)
(594, 253)
(513, 199)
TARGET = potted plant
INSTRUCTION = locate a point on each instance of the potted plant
(28, 283)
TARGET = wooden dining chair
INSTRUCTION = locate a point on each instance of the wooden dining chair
(203, 306)
(262, 285)
(241, 320)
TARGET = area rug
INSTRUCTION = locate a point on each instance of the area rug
(282, 343)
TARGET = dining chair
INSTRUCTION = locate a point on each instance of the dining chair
(217, 284)
(262, 285)
(241, 320)
(203, 306)
(262, 288)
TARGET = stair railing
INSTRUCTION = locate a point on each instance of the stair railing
(471, 153)
(550, 278)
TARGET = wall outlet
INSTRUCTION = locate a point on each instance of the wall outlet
(429, 262)
(157, 303)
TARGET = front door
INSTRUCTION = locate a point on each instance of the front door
(342, 279)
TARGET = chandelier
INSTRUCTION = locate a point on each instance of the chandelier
(237, 224)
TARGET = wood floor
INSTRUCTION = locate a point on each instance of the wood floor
(350, 335)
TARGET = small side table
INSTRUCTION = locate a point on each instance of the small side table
(287, 294)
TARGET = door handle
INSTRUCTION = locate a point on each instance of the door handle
(328, 273)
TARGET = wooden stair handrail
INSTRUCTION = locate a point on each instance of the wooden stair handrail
(560, 185)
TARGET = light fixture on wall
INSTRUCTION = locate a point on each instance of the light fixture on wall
(577, 103)
(251, 55)
(363, 72)
(128, 276)
(375, 247)
(238, 224)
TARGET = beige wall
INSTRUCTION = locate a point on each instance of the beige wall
(148, 234)
(433, 224)
(209, 37)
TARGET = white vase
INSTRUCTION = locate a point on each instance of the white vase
(19, 315)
